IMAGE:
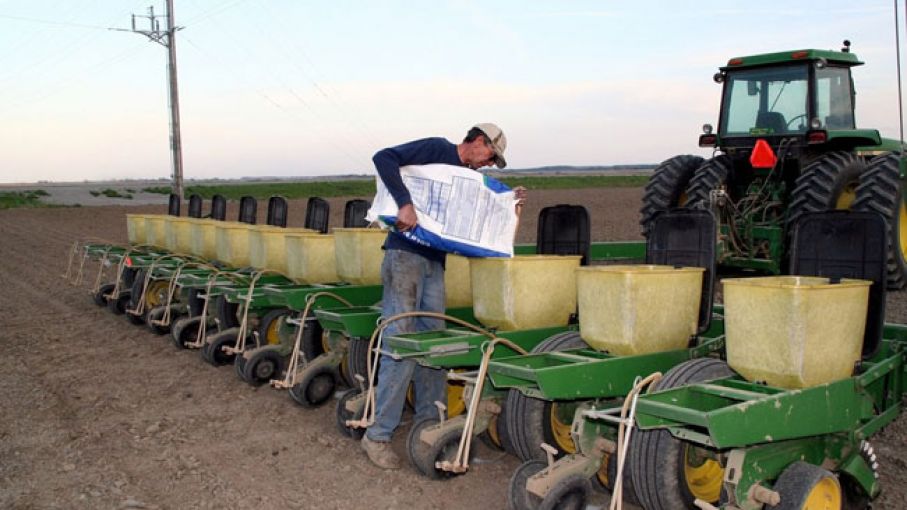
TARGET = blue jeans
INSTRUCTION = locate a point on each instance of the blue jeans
(411, 283)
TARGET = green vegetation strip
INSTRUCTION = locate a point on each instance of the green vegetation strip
(366, 187)
(10, 199)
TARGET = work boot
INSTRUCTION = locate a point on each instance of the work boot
(380, 453)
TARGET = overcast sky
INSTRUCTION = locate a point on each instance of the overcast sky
(292, 87)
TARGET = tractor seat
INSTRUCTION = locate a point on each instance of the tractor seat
(773, 121)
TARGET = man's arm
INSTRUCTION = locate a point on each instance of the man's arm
(388, 162)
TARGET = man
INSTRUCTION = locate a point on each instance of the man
(413, 279)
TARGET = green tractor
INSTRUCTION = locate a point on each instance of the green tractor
(787, 144)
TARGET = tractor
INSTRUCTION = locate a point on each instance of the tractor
(787, 144)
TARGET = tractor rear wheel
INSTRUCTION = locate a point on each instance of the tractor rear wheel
(534, 421)
(828, 183)
(670, 474)
(712, 174)
(881, 191)
(665, 188)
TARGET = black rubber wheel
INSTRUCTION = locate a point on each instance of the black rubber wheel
(356, 360)
(424, 456)
(185, 331)
(213, 352)
(315, 387)
(629, 491)
(414, 446)
(881, 191)
(239, 366)
(196, 304)
(154, 314)
(665, 188)
(709, 176)
(128, 277)
(827, 183)
(518, 498)
(495, 437)
(269, 326)
(100, 297)
(801, 480)
(135, 290)
(341, 415)
(570, 493)
(226, 313)
(263, 365)
(657, 460)
(118, 306)
(530, 420)
(311, 344)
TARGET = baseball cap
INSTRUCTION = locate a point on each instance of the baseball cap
(498, 141)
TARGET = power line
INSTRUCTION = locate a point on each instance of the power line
(51, 22)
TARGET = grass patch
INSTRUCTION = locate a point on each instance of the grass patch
(111, 193)
(366, 187)
(11, 199)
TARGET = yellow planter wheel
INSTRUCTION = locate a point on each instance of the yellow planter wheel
(804, 486)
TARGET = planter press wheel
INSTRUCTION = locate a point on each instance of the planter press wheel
(518, 498)
(99, 297)
(157, 313)
(316, 387)
(533, 421)
(184, 331)
(423, 456)
(118, 307)
(341, 415)
(213, 353)
(668, 473)
(804, 486)
(262, 366)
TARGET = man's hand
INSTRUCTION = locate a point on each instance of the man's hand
(406, 218)
(520, 194)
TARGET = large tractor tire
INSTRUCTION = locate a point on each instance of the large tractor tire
(827, 183)
(710, 176)
(881, 190)
(665, 188)
(667, 473)
(533, 421)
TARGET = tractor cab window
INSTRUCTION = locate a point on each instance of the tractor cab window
(834, 103)
(766, 101)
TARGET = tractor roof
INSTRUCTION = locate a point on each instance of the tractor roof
(837, 57)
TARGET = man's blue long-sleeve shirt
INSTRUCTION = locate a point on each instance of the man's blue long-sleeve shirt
(419, 152)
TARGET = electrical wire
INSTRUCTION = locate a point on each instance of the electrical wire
(277, 104)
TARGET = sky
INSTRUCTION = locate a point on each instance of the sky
(306, 88)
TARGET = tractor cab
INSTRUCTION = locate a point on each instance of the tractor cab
(805, 95)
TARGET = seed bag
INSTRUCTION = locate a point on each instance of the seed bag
(459, 210)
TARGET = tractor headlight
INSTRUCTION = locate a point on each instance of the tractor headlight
(707, 129)
(815, 123)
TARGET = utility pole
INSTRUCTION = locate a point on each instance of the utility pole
(167, 39)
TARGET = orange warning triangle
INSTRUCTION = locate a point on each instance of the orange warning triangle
(763, 156)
